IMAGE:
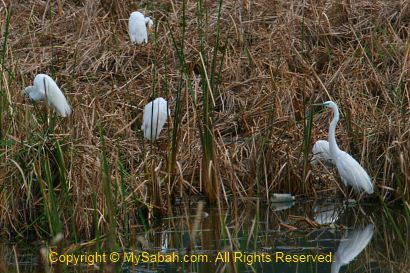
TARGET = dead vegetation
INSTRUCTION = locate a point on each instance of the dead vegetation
(278, 57)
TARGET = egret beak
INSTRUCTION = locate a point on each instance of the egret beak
(317, 104)
(150, 29)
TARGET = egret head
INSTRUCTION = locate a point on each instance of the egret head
(26, 92)
(150, 24)
(330, 104)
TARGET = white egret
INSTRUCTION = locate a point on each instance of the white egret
(328, 213)
(350, 171)
(45, 88)
(351, 245)
(321, 153)
(155, 115)
(137, 27)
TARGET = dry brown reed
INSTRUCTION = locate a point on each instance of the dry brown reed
(280, 57)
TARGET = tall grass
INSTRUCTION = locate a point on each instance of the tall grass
(209, 83)
(5, 74)
(109, 195)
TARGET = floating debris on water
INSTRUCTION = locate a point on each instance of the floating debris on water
(282, 197)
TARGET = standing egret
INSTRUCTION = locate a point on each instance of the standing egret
(321, 153)
(351, 245)
(349, 169)
(45, 88)
(155, 115)
(137, 27)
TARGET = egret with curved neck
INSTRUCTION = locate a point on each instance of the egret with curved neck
(351, 172)
(45, 88)
(137, 27)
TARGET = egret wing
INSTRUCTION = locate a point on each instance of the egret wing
(321, 153)
(154, 118)
(137, 28)
(352, 173)
(56, 98)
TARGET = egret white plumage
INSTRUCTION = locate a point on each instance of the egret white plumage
(45, 88)
(350, 247)
(350, 171)
(327, 213)
(137, 27)
(155, 115)
(321, 153)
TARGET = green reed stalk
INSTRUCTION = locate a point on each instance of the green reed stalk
(3, 97)
(205, 128)
(209, 85)
(66, 196)
(122, 171)
(307, 141)
(50, 199)
(95, 223)
(178, 104)
(393, 223)
(107, 193)
(307, 124)
(406, 209)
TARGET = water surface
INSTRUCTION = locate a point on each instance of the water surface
(254, 237)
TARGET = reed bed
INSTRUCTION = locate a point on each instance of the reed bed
(240, 78)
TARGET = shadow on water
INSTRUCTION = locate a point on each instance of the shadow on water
(251, 238)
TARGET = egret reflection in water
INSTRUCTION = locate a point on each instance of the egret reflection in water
(327, 213)
(351, 245)
(281, 206)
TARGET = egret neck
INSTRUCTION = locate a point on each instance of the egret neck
(334, 149)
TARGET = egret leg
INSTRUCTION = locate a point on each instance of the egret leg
(360, 196)
(351, 192)
(347, 195)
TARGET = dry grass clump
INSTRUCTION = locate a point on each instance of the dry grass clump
(277, 58)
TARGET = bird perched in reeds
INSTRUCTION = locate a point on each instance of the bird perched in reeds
(45, 88)
(321, 153)
(155, 115)
(137, 27)
(351, 172)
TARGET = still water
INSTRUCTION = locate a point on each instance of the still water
(326, 236)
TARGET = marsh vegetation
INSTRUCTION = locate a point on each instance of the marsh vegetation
(239, 77)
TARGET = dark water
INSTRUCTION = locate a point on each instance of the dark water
(254, 237)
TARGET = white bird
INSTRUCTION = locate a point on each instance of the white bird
(155, 115)
(321, 153)
(349, 169)
(351, 245)
(137, 27)
(45, 88)
(328, 213)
